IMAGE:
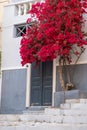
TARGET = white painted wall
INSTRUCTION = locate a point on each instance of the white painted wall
(11, 45)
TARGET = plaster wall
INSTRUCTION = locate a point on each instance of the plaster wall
(2, 3)
(11, 44)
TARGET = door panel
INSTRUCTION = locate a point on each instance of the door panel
(47, 83)
(36, 85)
(41, 84)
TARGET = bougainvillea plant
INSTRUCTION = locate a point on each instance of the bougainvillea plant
(56, 32)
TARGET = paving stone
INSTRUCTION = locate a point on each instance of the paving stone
(80, 106)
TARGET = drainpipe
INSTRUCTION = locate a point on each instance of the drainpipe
(54, 81)
(28, 85)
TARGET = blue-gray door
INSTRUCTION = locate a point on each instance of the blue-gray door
(41, 84)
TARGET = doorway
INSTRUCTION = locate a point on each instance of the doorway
(41, 84)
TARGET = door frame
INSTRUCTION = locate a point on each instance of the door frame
(28, 84)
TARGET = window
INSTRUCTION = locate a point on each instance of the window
(21, 29)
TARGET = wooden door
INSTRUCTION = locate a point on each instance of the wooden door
(41, 84)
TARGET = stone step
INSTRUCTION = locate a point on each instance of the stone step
(65, 106)
(60, 96)
(75, 119)
(74, 112)
(83, 100)
(33, 112)
(76, 101)
(70, 116)
(66, 117)
(72, 101)
(31, 118)
(81, 106)
(37, 108)
(35, 119)
(52, 111)
(65, 112)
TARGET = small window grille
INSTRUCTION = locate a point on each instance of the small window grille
(21, 29)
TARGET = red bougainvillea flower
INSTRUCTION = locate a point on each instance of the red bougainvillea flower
(56, 31)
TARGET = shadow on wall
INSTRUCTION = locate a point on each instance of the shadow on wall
(78, 77)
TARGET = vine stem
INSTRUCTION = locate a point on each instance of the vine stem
(61, 74)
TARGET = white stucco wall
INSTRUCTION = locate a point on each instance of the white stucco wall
(11, 45)
(2, 3)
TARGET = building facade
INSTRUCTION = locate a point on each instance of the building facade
(23, 87)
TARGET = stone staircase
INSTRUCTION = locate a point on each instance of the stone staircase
(72, 115)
